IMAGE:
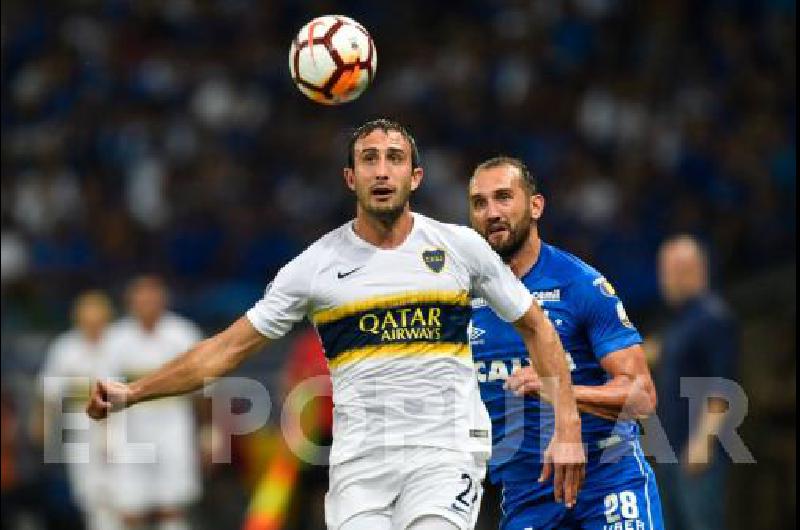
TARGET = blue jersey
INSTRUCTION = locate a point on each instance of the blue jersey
(591, 322)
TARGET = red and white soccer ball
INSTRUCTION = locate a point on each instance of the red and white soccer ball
(332, 59)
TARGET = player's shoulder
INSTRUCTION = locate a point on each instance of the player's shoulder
(178, 323)
(67, 338)
(65, 343)
(122, 325)
(569, 267)
(448, 234)
(121, 331)
(430, 224)
(335, 237)
(712, 307)
(325, 245)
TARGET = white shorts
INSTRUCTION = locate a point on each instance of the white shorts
(409, 483)
(171, 482)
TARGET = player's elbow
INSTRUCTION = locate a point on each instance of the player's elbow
(649, 400)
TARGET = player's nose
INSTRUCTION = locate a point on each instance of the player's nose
(493, 212)
(382, 169)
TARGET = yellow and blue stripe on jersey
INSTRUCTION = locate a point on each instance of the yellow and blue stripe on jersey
(411, 324)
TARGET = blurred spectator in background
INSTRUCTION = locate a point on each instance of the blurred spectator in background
(74, 361)
(701, 341)
(153, 488)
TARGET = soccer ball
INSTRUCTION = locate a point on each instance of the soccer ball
(332, 59)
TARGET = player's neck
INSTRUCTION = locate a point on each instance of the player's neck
(149, 324)
(92, 336)
(526, 257)
(384, 233)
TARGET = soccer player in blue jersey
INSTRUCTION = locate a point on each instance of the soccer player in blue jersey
(611, 379)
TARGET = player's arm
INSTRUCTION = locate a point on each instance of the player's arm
(630, 393)
(548, 357)
(565, 455)
(207, 360)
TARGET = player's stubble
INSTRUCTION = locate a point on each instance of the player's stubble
(388, 212)
(518, 232)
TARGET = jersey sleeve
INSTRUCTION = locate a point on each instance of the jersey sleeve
(286, 299)
(607, 324)
(493, 280)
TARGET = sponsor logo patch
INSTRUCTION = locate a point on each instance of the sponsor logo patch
(552, 295)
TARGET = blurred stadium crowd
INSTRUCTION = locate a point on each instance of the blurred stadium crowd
(166, 136)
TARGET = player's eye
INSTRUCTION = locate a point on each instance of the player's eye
(478, 202)
(504, 195)
(396, 157)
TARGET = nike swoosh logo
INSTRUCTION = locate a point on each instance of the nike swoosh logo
(341, 275)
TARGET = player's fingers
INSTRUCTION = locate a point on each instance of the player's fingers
(97, 409)
(572, 484)
(533, 385)
(547, 468)
(513, 382)
(558, 481)
(98, 405)
(102, 390)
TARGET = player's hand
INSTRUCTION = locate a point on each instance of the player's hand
(107, 397)
(566, 460)
(524, 381)
(697, 456)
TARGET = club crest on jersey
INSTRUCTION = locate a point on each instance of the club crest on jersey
(434, 259)
(605, 287)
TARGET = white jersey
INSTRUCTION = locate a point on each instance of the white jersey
(72, 365)
(394, 326)
(168, 423)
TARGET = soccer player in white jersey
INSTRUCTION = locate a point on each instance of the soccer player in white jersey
(152, 489)
(389, 293)
(74, 361)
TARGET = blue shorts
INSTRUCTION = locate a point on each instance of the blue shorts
(616, 495)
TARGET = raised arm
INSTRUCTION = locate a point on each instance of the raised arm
(207, 360)
(564, 455)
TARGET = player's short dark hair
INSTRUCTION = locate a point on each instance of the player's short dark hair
(529, 181)
(385, 125)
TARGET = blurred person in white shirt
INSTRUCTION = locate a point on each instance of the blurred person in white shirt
(154, 486)
(74, 360)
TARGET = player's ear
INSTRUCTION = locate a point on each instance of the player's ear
(349, 178)
(416, 178)
(537, 206)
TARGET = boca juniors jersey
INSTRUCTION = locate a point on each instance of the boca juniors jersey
(591, 322)
(394, 326)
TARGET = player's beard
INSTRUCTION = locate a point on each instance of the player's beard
(389, 212)
(517, 235)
